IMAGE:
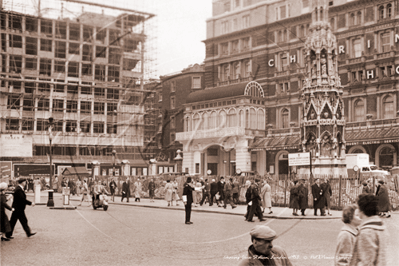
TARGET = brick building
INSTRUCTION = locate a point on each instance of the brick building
(254, 72)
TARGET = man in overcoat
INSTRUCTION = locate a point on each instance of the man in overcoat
(384, 206)
(303, 196)
(214, 191)
(126, 190)
(318, 198)
(19, 205)
(255, 203)
(221, 191)
(188, 199)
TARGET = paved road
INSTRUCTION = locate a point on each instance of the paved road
(129, 235)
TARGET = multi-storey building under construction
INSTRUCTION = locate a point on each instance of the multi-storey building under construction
(87, 74)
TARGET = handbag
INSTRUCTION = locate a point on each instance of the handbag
(217, 196)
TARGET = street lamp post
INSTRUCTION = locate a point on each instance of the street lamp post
(50, 201)
(113, 165)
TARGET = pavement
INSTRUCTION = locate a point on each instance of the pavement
(278, 212)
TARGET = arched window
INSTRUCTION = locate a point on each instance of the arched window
(284, 118)
(236, 70)
(252, 113)
(261, 119)
(386, 157)
(226, 72)
(284, 35)
(196, 120)
(359, 111)
(187, 124)
(352, 20)
(241, 118)
(247, 121)
(359, 18)
(387, 107)
(232, 118)
(381, 12)
(205, 119)
(222, 119)
(389, 10)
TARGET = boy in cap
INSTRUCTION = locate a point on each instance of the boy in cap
(19, 205)
(262, 251)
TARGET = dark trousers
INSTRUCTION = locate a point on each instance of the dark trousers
(212, 197)
(303, 211)
(124, 195)
(221, 198)
(188, 212)
(321, 211)
(228, 198)
(15, 216)
(255, 210)
(235, 198)
(205, 195)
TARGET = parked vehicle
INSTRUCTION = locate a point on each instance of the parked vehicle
(361, 160)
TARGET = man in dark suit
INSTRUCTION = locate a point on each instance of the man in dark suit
(126, 190)
(255, 203)
(188, 199)
(19, 204)
(318, 202)
(214, 191)
(220, 191)
(303, 196)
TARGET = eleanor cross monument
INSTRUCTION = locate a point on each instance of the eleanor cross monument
(323, 123)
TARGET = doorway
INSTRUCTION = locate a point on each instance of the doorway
(213, 167)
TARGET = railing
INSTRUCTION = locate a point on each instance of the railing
(354, 60)
(282, 73)
(210, 133)
(374, 123)
(234, 81)
(284, 130)
(383, 55)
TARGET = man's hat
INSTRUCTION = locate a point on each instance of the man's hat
(21, 180)
(263, 232)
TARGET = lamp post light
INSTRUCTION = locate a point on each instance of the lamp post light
(113, 165)
(50, 201)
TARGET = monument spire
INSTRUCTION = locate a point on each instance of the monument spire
(322, 127)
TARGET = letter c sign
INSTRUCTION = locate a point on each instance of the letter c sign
(271, 63)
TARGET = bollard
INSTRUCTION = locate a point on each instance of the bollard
(37, 189)
(65, 195)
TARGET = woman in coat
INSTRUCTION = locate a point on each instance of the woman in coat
(266, 194)
(384, 206)
(347, 237)
(5, 226)
(294, 199)
(175, 195)
(168, 192)
(327, 194)
(137, 190)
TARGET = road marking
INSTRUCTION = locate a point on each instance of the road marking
(228, 239)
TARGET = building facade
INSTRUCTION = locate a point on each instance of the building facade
(261, 44)
(87, 75)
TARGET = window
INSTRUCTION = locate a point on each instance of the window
(60, 29)
(212, 120)
(57, 126)
(16, 41)
(45, 67)
(225, 27)
(235, 24)
(31, 24)
(27, 124)
(85, 126)
(58, 105)
(352, 19)
(114, 37)
(15, 63)
(114, 57)
(101, 51)
(112, 128)
(381, 12)
(43, 105)
(73, 48)
(261, 120)
(388, 108)
(44, 87)
(113, 94)
(99, 73)
(389, 11)
(13, 102)
(172, 102)
(172, 122)
(71, 126)
(45, 45)
(357, 48)
(112, 108)
(87, 52)
(359, 18)
(60, 49)
(284, 118)
(385, 42)
(283, 61)
(359, 111)
(248, 68)
(87, 70)
(236, 70)
(42, 124)
(85, 107)
(245, 44)
(196, 82)
(98, 127)
(99, 92)
(281, 12)
(31, 46)
(305, 3)
(332, 23)
(59, 66)
(12, 124)
(87, 33)
(73, 69)
(72, 106)
(30, 87)
(85, 90)
(225, 72)
(74, 32)
(236, 3)
(232, 118)
(225, 48)
(59, 87)
(252, 118)
(245, 22)
(46, 27)
(101, 35)
(234, 45)
(31, 63)
(99, 108)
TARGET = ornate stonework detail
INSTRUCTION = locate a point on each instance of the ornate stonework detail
(322, 129)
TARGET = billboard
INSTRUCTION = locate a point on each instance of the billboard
(16, 145)
(5, 169)
(302, 158)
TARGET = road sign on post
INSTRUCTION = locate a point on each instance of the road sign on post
(302, 158)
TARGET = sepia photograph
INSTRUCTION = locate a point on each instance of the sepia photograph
(199, 132)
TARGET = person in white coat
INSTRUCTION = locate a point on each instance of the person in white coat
(266, 194)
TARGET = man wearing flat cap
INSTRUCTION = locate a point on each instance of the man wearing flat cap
(262, 251)
(19, 203)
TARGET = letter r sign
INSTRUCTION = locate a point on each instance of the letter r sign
(341, 49)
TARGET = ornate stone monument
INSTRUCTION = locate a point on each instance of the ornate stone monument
(323, 123)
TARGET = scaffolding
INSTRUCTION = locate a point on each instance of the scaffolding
(85, 63)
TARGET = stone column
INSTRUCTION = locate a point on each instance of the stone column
(188, 161)
(243, 159)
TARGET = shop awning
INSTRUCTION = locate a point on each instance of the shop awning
(372, 136)
(80, 171)
(277, 142)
